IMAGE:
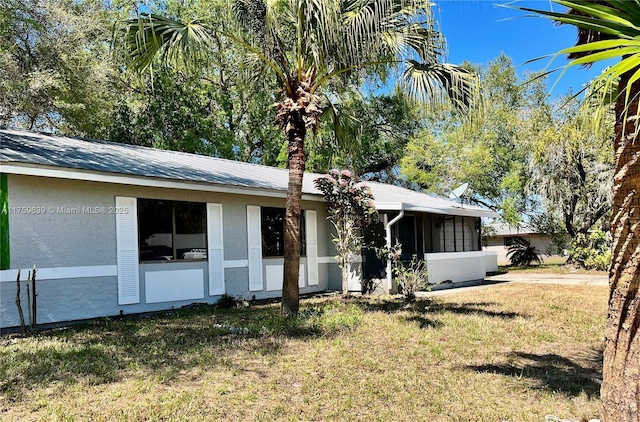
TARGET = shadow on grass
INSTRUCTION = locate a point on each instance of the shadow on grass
(162, 345)
(433, 306)
(48, 365)
(165, 345)
(553, 372)
(425, 322)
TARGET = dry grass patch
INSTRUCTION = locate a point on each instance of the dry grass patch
(552, 265)
(506, 353)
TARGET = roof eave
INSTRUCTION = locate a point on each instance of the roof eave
(26, 169)
(469, 212)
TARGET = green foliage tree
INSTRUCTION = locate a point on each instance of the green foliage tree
(195, 112)
(211, 107)
(312, 48)
(351, 211)
(62, 75)
(56, 67)
(378, 130)
(572, 168)
(610, 29)
(489, 150)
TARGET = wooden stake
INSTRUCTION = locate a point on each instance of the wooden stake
(35, 309)
(29, 308)
(19, 304)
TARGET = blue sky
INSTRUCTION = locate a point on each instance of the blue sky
(478, 30)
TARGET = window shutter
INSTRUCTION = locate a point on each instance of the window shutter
(215, 254)
(312, 247)
(301, 276)
(254, 246)
(127, 251)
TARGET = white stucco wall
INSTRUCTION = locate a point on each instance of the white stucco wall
(456, 266)
(496, 244)
(490, 261)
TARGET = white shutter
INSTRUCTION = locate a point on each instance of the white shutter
(254, 246)
(215, 253)
(301, 276)
(311, 218)
(127, 251)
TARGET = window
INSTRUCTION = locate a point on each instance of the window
(273, 232)
(172, 230)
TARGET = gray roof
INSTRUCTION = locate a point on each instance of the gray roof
(132, 160)
(33, 149)
(502, 229)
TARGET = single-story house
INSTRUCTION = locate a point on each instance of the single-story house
(122, 229)
(500, 236)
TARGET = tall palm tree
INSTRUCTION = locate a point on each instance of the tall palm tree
(312, 47)
(610, 29)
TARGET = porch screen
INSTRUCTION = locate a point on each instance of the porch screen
(458, 234)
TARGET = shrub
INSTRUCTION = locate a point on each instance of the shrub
(226, 302)
(522, 253)
(411, 278)
(351, 210)
(591, 251)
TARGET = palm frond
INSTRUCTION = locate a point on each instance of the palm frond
(608, 29)
(150, 34)
(601, 25)
(346, 127)
(522, 253)
(426, 81)
(320, 40)
(251, 16)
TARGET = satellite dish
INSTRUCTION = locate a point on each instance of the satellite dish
(459, 191)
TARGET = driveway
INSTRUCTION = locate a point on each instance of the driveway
(518, 277)
(588, 279)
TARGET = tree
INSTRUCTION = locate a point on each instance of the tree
(381, 127)
(490, 150)
(209, 108)
(312, 49)
(610, 29)
(572, 167)
(56, 67)
(203, 112)
(351, 210)
(591, 250)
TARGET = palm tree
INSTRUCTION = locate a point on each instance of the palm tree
(610, 29)
(312, 47)
(523, 253)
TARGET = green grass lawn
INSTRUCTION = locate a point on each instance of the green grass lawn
(504, 353)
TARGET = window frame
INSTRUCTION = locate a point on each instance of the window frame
(303, 232)
(174, 232)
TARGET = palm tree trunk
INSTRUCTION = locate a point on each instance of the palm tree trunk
(621, 370)
(290, 291)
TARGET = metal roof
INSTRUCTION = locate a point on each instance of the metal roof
(25, 149)
(389, 197)
(501, 229)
